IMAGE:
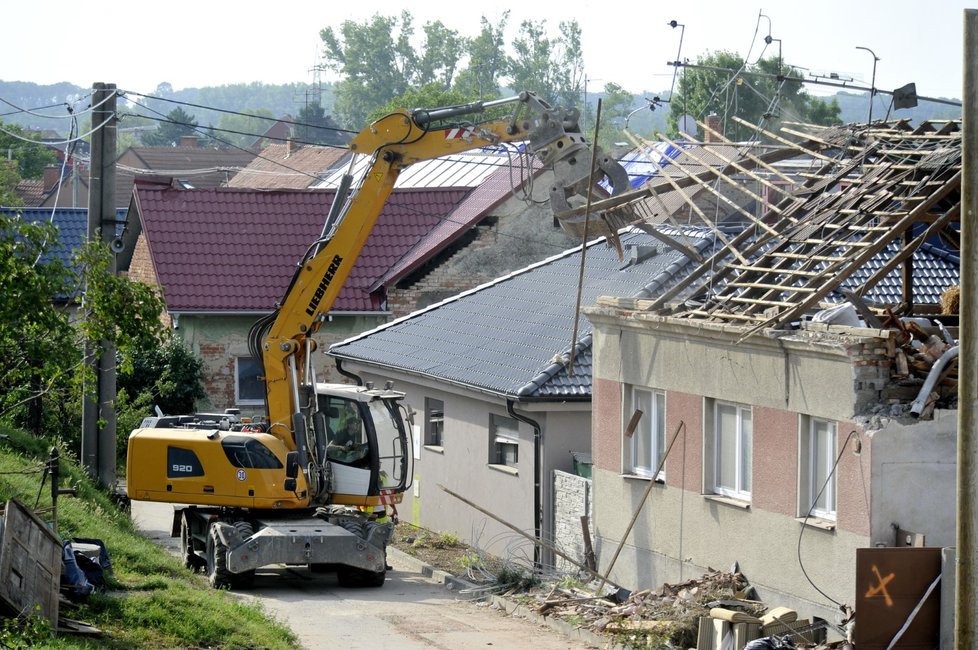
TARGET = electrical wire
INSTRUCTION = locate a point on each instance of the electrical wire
(230, 112)
(808, 515)
(32, 111)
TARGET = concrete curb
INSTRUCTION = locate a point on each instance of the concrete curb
(562, 627)
(451, 582)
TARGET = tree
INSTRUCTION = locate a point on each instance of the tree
(378, 62)
(168, 373)
(754, 93)
(487, 61)
(243, 130)
(41, 343)
(25, 149)
(615, 107)
(313, 126)
(9, 178)
(554, 69)
(429, 96)
(178, 123)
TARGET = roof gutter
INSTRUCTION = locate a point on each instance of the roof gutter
(537, 474)
(346, 373)
(461, 384)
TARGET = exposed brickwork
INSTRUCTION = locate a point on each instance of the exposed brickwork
(871, 365)
(441, 282)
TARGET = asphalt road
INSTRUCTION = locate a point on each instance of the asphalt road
(409, 612)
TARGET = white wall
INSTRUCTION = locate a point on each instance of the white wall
(462, 464)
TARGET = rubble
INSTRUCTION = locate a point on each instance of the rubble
(717, 609)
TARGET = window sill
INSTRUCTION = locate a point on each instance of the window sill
(438, 449)
(505, 469)
(639, 477)
(729, 501)
(817, 522)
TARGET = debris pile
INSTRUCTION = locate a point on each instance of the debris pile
(716, 610)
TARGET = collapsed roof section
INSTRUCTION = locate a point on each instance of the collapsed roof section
(885, 186)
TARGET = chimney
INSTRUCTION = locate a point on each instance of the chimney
(713, 122)
(188, 141)
(51, 176)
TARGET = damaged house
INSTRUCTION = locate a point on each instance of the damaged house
(795, 392)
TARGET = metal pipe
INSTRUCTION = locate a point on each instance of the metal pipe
(966, 577)
(537, 477)
(872, 84)
(935, 372)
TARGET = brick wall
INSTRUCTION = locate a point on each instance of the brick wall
(441, 282)
(141, 269)
(871, 364)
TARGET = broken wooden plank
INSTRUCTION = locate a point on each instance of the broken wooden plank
(30, 563)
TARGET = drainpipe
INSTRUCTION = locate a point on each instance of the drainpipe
(347, 373)
(537, 475)
(918, 406)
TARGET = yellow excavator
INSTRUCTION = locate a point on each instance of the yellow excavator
(302, 486)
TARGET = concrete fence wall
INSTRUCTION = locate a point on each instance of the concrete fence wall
(572, 500)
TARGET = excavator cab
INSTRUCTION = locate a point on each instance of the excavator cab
(367, 454)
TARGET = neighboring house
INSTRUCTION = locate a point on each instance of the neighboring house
(190, 165)
(224, 257)
(54, 191)
(72, 225)
(280, 131)
(289, 166)
(797, 441)
(499, 407)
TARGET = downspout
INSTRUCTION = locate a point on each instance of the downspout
(537, 472)
(347, 373)
(918, 405)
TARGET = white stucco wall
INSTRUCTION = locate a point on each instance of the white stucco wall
(462, 465)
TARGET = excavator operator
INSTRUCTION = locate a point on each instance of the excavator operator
(347, 443)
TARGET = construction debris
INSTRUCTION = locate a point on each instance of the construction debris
(716, 610)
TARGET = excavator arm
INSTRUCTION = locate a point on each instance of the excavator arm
(283, 340)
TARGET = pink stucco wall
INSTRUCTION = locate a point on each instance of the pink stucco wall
(775, 454)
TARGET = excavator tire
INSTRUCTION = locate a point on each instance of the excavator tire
(190, 558)
(217, 558)
(352, 577)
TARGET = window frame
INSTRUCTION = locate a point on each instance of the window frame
(434, 434)
(247, 401)
(650, 426)
(812, 477)
(743, 462)
(503, 435)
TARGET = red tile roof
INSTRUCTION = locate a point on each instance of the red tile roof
(232, 250)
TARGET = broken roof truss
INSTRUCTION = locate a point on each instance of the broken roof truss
(874, 185)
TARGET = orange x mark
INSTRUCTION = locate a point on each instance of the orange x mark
(881, 588)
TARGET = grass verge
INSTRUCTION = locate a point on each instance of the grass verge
(151, 600)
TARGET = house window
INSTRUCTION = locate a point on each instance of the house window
(504, 438)
(434, 422)
(248, 386)
(731, 429)
(817, 448)
(642, 451)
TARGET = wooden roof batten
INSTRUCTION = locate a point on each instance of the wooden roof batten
(875, 183)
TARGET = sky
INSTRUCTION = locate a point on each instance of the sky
(138, 45)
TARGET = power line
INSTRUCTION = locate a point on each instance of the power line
(230, 112)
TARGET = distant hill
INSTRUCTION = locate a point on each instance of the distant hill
(280, 100)
(288, 99)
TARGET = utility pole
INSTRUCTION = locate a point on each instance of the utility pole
(965, 573)
(98, 402)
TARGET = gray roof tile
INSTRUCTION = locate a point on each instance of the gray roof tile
(512, 336)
